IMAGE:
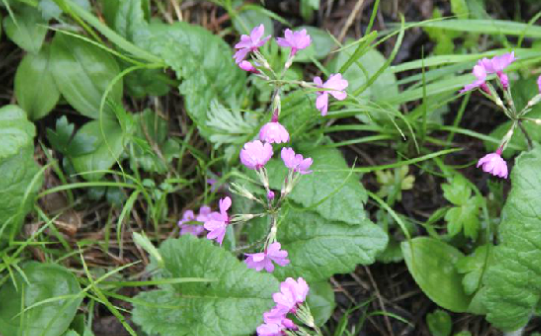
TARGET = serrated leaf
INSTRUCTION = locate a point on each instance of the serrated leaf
(432, 262)
(107, 149)
(46, 281)
(16, 131)
(82, 73)
(35, 88)
(319, 248)
(232, 304)
(228, 126)
(458, 191)
(28, 30)
(513, 281)
(330, 190)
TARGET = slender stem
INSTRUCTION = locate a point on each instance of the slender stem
(528, 139)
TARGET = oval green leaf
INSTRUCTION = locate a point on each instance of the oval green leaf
(432, 262)
(16, 131)
(27, 30)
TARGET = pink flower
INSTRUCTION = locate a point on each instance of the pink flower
(217, 222)
(204, 213)
(270, 195)
(480, 73)
(275, 322)
(269, 329)
(292, 293)
(539, 84)
(247, 66)
(497, 64)
(295, 40)
(274, 132)
(296, 161)
(250, 43)
(258, 261)
(192, 229)
(494, 164)
(335, 83)
(255, 154)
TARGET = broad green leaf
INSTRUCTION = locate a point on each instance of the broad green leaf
(439, 323)
(18, 172)
(82, 73)
(321, 45)
(432, 262)
(204, 63)
(130, 18)
(232, 304)
(16, 131)
(473, 267)
(247, 20)
(27, 30)
(49, 9)
(319, 248)
(321, 301)
(45, 282)
(331, 190)
(360, 72)
(35, 88)
(513, 282)
(147, 82)
(107, 149)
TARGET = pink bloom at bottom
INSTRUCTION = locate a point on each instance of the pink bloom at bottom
(271, 329)
(265, 260)
(292, 293)
(494, 164)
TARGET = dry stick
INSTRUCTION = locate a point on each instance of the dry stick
(177, 9)
(350, 19)
(380, 300)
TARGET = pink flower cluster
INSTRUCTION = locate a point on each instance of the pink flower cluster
(265, 259)
(214, 222)
(292, 294)
(487, 66)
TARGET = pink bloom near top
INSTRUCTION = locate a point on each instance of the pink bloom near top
(274, 132)
(486, 66)
(337, 86)
(494, 164)
(255, 154)
(295, 40)
(250, 43)
(217, 222)
(296, 162)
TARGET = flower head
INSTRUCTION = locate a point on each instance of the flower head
(274, 132)
(217, 222)
(250, 43)
(494, 164)
(335, 83)
(539, 84)
(295, 40)
(255, 154)
(192, 229)
(265, 260)
(270, 329)
(296, 162)
(497, 64)
(292, 293)
(480, 74)
(275, 322)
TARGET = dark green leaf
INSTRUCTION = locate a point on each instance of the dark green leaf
(16, 132)
(439, 323)
(432, 264)
(321, 301)
(45, 281)
(27, 30)
(82, 73)
(35, 88)
(513, 281)
(247, 20)
(232, 304)
(60, 137)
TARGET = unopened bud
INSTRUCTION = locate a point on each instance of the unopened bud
(270, 195)
(242, 217)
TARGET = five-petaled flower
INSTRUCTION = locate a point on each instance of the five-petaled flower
(255, 154)
(250, 43)
(296, 162)
(274, 132)
(297, 40)
(189, 216)
(336, 85)
(494, 164)
(217, 222)
(292, 293)
(265, 259)
(497, 64)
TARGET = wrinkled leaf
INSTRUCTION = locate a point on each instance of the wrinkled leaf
(330, 190)
(28, 30)
(232, 304)
(82, 73)
(35, 88)
(513, 280)
(46, 281)
(432, 262)
(16, 131)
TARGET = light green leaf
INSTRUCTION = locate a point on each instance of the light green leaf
(16, 131)
(330, 190)
(513, 282)
(229, 126)
(432, 262)
(321, 301)
(28, 30)
(439, 323)
(308, 7)
(319, 248)
(107, 150)
(458, 191)
(233, 304)
(247, 20)
(45, 282)
(49, 9)
(35, 88)
(473, 267)
(321, 45)
(82, 73)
